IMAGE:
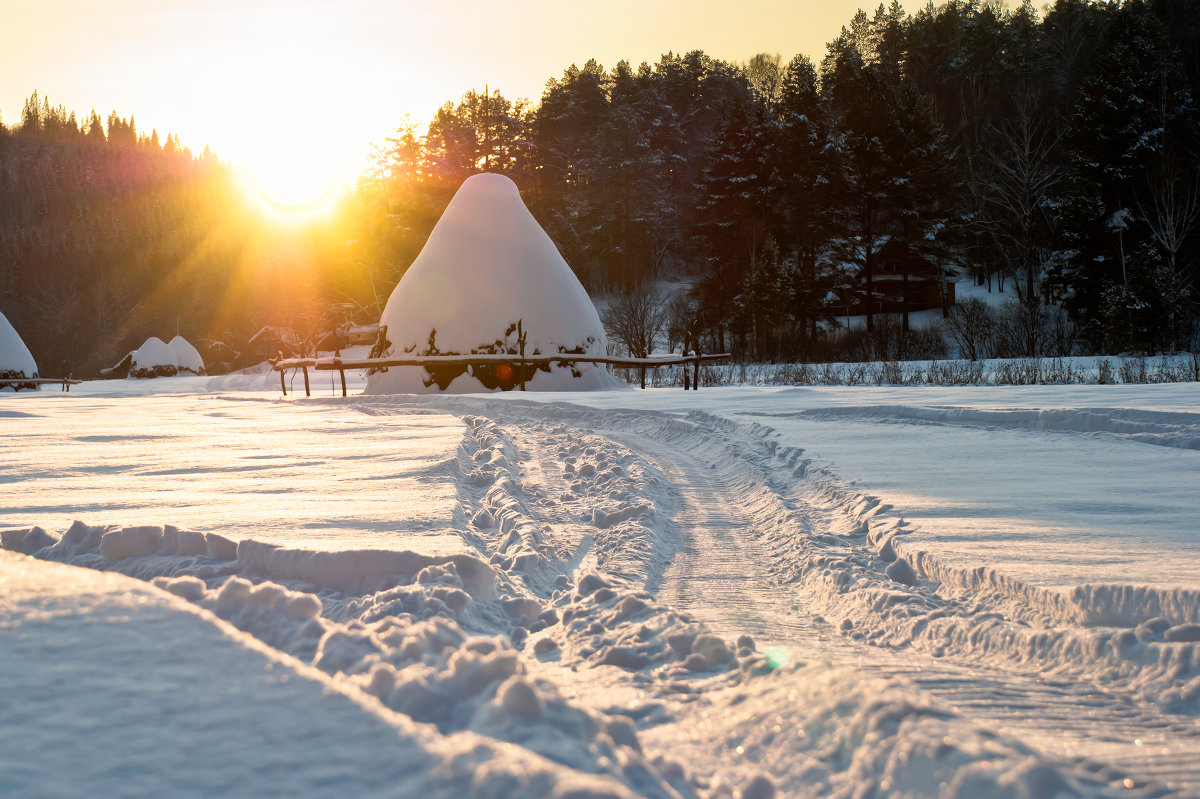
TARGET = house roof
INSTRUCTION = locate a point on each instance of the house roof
(895, 256)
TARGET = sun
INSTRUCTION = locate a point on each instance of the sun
(294, 181)
(278, 102)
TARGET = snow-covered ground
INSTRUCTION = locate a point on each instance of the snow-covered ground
(207, 589)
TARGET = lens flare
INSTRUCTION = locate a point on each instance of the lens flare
(777, 657)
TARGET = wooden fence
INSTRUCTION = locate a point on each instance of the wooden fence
(340, 365)
(18, 383)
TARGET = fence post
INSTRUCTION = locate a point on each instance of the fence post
(686, 376)
(521, 343)
(307, 393)
(282, 383)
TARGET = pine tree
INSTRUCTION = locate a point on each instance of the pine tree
(766, 301)
(31, 116)
(1115, 132)
(801, 172)
(569, 132)
(95, 130)
(733, 211)
(861, 169)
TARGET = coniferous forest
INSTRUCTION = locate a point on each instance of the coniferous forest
(1054, 153)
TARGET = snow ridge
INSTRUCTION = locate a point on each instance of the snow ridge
(409, 645)
(820, 532)
(839, 548)
(977, 612)
(1149, 427)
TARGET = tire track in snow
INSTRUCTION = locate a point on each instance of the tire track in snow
(1111, 736)
(542, 480)
(719, 575)
(735, 513)
(596, 498)
(724, 579)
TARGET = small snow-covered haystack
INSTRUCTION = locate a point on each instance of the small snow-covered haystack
(187, 357)
(486, 267)
(15, 359)
(153, 359)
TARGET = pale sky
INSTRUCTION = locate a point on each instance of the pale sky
(253, 78)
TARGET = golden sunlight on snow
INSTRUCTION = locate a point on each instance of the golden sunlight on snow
(201, 465)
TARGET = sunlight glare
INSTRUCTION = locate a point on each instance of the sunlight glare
(293, 181)
(296, 155)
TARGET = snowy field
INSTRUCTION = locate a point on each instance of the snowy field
(208, 589)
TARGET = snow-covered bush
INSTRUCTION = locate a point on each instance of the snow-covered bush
(153, 359)
(187, 357)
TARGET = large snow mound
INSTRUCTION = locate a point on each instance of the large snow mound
(15, 359)
(187, 357)
(153, 359)
(487, 266)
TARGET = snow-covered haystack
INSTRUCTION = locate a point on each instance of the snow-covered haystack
(15, 359)
(153, 359)
(486, 267)
(187, 357)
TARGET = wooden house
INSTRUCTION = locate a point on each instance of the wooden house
(272, 341)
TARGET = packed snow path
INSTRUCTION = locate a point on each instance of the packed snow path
(737, 516)
(723, 575)
(718, 574)
(575, 558)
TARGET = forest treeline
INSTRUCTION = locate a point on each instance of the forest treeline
(109, 235)
(1055, 153)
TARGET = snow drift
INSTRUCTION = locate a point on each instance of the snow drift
(486, 267)
(15, 359)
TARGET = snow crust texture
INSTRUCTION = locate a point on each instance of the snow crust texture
(1162, 428)
(487, 266)
(649, 602)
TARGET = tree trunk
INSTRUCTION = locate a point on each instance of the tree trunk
(869, 290)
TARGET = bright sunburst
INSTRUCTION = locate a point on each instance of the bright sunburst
(294, 181)
(296, 155)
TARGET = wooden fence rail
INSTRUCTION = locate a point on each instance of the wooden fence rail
(17, 383)
(340, 365)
